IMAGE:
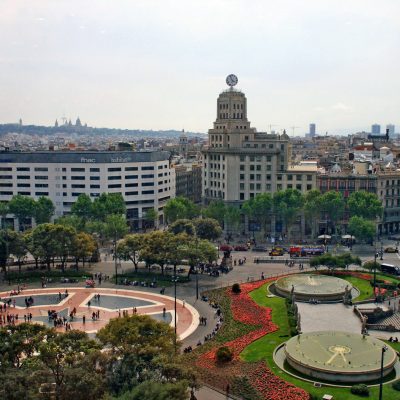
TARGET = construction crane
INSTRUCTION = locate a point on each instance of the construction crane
(293, 129)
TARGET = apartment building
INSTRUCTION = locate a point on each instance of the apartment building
(144, 179)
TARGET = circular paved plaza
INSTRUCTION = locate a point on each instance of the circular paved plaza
(85, 302)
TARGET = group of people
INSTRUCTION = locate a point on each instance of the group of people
(128, 282)
(394, 339)
(60, 296)
(240, 261)
(99, 276)
(29, 301)
(203, 321)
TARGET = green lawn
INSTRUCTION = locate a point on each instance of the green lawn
(365, 288)
(263, 348)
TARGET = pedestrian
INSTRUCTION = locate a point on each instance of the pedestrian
(84, 320)
(164, 312)
(89, 303)
(183, 303)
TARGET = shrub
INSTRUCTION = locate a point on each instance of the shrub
(396, 385)
(236, 288)
(224, 354)
(371, 265)
(361, 390)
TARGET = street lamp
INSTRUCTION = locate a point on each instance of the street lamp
(375, 256)
(115, 259)
(381, 250)
(384, 348)
(175, 279)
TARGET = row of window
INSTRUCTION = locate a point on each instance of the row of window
(82, 169)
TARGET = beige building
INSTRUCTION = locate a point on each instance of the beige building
(240, 162)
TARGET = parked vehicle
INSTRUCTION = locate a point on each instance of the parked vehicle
(391, 250)
(225, 247)
(306, 251)
(277, 251)
(260, 248)
(241, 247)
(390, 269)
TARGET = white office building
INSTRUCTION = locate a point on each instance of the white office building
(145, 179)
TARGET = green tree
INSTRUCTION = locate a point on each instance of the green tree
(83, 247)
(45, 242)
(23, 207)
(19, 248)
(115, 226)
(215, 210)
(7, 239)
(108, 204)
(258, 208)
(3, 213)
(287, 205)
(44, 210)
(361, 228)
(150, 390)
(150, 218)
(83, 207)
(312, 209)
(198, 251)
(332, 205)
(71, 220)
(182, 226)
(129, 248)
(180, 208)
(207, 228)
(232, 219)
(364, 204)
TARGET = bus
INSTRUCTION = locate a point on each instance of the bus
(306, 251)
(390, 269)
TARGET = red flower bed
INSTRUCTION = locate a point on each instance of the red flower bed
(245, 310)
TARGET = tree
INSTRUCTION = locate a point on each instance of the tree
(361, 228)
(207, 228)
(182, 226)
(115, 226)
(44, 210)
(180, 208)
(364, 204)
(198, 251)
(45, 242)
(83, 247)
(287, 204)
(71, 220)
(332, 205)
(258, 208)
(129, 247)
(348, 260)
(150, 217)
(232, 219)
(19, 248)
(312, 208)
(83, 207)
(107, 204)
(215, 210)
(3, 213)
(150, 390)
(7, 237)
(23, 207)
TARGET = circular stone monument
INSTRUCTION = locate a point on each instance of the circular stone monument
(313, 287)
(339, 356)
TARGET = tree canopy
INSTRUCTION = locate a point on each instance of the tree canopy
(364, 204)
(180, 208)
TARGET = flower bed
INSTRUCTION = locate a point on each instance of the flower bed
(246, 311)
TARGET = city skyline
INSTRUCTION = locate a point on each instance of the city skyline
(332, 64)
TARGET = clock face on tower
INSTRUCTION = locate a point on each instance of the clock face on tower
(231, 80)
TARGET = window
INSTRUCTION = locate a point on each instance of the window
(114, 178)
(242, 167)
(6, 184)
(251, 167)
(94, 178)
(94, 186)
(289, 177)
(242, 158)
(77, 169)
(7, 193)
(131, 184)
(77, 178)
(114, 169)
(258, 177)
(23, 185)
(23, 169)
(131, 176)
(309, 187)
(241, 196)
(9, 177)
(41, 169)
(131, 193)
(114, 186)
(149, 176)
(241, 186)
(148, 168)
(268, 177)
(131, 168)
(268, 186)
(42, 177)
(279, 186)
(75, 194)
(25, 193)
(41, 185)
(94, 169)
(148, 192)
(309, 177)
(241, 176)
(76, 186)
(41, 193)
(298, 186)
(148, 184)
(5, 169)
(252, 177)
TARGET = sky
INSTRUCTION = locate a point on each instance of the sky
(148, 64)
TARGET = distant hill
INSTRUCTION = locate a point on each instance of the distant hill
(87, 130)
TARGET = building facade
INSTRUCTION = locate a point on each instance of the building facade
(188, 181)
(240, 162)
(144, 179)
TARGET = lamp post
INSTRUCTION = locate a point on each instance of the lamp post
(115, 258)
(375, 268)
(384, 348)
(381, 250)
(175, 279)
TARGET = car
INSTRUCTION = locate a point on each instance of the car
(241, 247)
(225, 247)
(391, 250)
(276, 252)
(392, 237)
(260, 248)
